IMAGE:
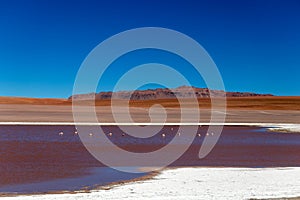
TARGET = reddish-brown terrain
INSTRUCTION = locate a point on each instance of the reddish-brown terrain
(241, 106)
(274, 109)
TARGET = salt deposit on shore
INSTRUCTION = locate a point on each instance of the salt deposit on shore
(286, 128)
(198, 183)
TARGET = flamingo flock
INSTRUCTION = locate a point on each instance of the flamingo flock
(110, 134)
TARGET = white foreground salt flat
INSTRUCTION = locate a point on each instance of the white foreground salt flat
(198, 183)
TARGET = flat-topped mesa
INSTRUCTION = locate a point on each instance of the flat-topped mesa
(164, 93)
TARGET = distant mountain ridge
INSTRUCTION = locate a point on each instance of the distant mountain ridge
(164, 93)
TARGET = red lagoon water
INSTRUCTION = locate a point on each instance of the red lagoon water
(42, 159)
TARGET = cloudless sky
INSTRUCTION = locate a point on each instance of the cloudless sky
(255, 44)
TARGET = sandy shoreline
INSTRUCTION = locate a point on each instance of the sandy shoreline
(45, 113)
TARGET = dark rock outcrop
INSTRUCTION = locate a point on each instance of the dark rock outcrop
(164, 93)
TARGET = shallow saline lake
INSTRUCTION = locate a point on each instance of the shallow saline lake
(39, 158)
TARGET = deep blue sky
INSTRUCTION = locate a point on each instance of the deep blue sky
(255, 44)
